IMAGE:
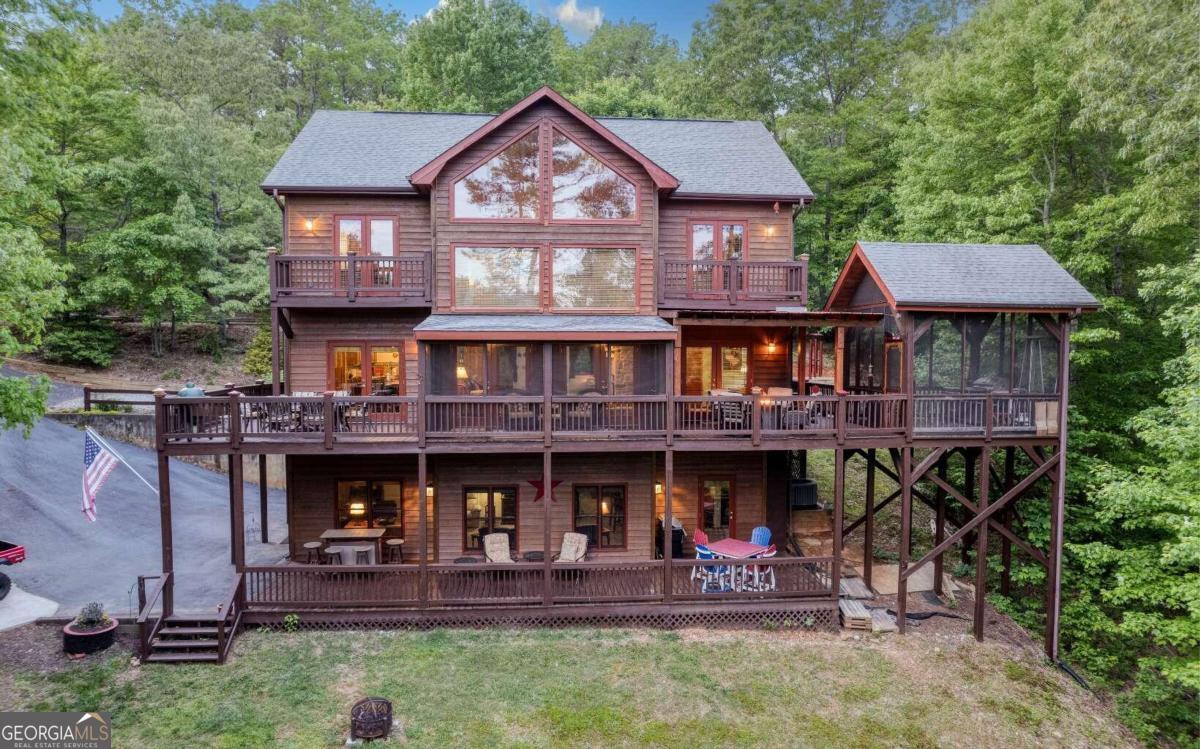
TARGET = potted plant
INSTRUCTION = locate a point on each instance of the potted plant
(90, 632)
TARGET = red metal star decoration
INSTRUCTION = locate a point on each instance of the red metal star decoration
(541, 489)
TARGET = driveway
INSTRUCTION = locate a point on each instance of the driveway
(72, 561)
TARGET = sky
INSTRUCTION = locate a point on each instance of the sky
(578, 17)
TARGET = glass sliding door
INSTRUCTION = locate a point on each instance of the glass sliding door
(717, 514)
(486, 510)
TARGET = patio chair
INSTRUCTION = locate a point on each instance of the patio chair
(496, 549)
(760, 536)
(761, 576)
(711, 576)
(574, 548)
(699, 538)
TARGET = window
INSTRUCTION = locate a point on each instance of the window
(572, 185)
(599, 514)
(585, 187)
(604, 369)
(384, 375)
(370, 504)
(489, 509)
(716, 368)
(714, 241)
(505, 186)
(497, 277)
(379, 238)
(598, 278)
(717, 517)
(491, 369)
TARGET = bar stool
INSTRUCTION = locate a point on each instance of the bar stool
(312, 551)
(362, 556)
(395, 549)
(331, 557)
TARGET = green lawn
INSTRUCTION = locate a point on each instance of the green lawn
(580, 688)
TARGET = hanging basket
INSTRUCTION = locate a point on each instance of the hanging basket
(371, 718)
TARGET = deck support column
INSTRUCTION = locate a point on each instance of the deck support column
(237, 511)
(1058, 506)
(869, 532)
(839, 491)
(668, 526)
(1006, 518)
(968, 492)
(905, 535)
(547, 520)
(981, 542)
(164, 520)
(422, 529)
(939, 526)
(262, 495)
(275, 386)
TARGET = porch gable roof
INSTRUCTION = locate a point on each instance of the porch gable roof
(529, 327)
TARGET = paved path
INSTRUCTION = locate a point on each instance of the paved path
(72, 561)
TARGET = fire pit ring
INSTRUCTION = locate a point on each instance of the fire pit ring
(371, 718)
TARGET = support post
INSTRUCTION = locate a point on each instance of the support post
(968, 492)
(232, 515)
(669, 416)
(869, 532)
(262, 495)
(422, 529)
(905, 535)
(981, 545)
(547, 521)
(1006, 519)
(668, 527)
(423, 382)
(164, 521)
(1054, 579)
(939, 525)
(548, 400)
(276, 388)
(839, 491)
(237, 509)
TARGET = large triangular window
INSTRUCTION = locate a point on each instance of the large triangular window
(503, 187)
(587, 188)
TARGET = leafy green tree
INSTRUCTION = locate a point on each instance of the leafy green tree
(476, 56)
(152, 268)
(257, 361)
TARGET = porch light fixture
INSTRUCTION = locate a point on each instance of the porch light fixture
(358, 509)
(658, 487)
(771, 231)
(770, 347)
(308, 225)
(429, 491)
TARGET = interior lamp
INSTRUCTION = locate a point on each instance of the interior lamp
(358, 509)
(461, 372)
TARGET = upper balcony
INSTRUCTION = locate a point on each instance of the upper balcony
(732, 284)
(404, 280)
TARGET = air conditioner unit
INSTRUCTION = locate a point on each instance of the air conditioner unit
(802, 494)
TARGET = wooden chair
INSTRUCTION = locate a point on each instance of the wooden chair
(362, 556)
(330, 557)
(574, 548)
(312, 551)
(496, 549)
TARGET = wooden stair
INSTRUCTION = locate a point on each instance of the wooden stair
(183, 639)
(813, 530)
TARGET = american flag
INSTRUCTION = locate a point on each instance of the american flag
(98, 462)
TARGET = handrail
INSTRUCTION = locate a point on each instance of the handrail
(230, 608)
(735, 280)
(147, 606)
(404, 275)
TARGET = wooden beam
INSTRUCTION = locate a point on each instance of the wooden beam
(939, 526)
(1060, 492)
(547, 521)
(982, 516)
(423, 529)
(668, 528)
(237, 509)
(869, 535)
(862, 520)
(262, 496)
(275, 351)
(995, 525)
(1006, 521)
(981, 544)
(905, 537)
(165, 530)
(839, 491)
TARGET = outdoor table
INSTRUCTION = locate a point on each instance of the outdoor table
(373, 535)
(733, 548)
(348, 552)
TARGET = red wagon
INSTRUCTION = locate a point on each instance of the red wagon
(9, 554)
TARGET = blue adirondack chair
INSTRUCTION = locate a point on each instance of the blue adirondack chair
(761, 536)
(711, 576)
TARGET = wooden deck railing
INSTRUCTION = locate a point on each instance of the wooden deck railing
(329, 419)
(299, 587)
(403, 279)
(719, 283)
(148, 623)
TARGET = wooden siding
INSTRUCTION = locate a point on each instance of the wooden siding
(307, 352)
(748, 471)
(769, 233)
(312, 496)
(488, 233)
(634, 470)
(766, 369)
(411, 212)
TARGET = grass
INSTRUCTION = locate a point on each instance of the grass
(583, 688)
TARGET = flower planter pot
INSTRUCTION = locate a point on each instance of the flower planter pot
(76, 641)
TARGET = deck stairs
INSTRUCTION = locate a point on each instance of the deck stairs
(813, 531)
(185, 639)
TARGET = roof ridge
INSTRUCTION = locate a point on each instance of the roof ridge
(493, 114)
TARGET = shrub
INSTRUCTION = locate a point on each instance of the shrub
(258, 354)
(91, 343)
(92, 616)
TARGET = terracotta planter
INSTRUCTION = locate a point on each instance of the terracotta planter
(77, 641)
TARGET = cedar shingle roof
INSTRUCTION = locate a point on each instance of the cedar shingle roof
(340, 150)
(975, 275)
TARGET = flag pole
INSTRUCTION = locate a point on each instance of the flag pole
(117, 455)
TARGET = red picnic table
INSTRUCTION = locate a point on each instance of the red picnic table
(733, 548)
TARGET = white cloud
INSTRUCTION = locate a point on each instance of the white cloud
(581, 21)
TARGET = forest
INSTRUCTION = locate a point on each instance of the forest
(131, 150)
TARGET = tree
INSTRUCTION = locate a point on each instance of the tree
(475, 56)
(152, 268)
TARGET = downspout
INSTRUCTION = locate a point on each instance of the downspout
(282, 220)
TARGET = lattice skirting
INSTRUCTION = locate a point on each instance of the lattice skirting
(820, 616)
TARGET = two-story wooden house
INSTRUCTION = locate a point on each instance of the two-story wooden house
(540, 323)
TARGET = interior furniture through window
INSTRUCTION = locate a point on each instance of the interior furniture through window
(370, 504)
(489, 509)
(383, 374)
(599, 514)
(717, 507)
